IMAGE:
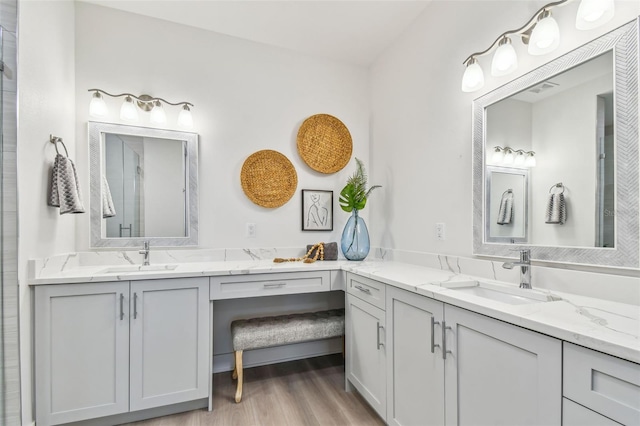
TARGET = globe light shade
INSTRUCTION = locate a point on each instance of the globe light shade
(531, 160)
(508, 157)
(128, 111)
(505, 60)
(185, 119)
(593, 13)
(158, 116)
(473, 78)
(545, 37)
(97, 107)
(520, 159)
(497, 156)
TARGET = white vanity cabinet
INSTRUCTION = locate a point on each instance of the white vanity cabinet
(365, 342)
(498, 373)
(415, 368)
(109, 348)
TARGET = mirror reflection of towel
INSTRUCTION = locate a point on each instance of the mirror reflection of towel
(64, 191)
(108, 209)
(556, 209)
(505, 213)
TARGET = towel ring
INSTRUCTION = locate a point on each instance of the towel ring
(507, 191)
(54, 140)
(557, 185)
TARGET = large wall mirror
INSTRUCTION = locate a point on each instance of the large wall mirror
(578, 115)
(144, 185)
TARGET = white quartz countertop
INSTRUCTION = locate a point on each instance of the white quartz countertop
(605, 326)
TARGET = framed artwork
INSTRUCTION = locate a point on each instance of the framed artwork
(317, 210)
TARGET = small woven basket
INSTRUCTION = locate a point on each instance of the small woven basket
(324, 143)
(268, 178)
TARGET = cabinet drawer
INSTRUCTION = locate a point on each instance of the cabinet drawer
(239, 286)
(605, 384)
(576, 415)
(367, 289)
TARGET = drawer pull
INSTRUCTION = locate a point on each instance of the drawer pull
(274, 285)
(364, 290)
(433, 336)
(379, 343)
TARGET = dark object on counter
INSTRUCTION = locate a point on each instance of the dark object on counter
(330, 251)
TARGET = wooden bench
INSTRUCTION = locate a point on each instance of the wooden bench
(257, 333)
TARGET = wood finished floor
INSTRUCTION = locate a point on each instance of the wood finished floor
(296, 393)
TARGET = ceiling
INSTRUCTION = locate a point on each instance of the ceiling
(353, 32)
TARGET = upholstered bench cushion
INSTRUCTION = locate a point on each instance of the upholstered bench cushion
(284, 329)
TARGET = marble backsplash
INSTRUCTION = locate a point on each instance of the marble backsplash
(618, 288)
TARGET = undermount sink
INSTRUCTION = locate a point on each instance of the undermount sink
(137, 268)
(501, 293)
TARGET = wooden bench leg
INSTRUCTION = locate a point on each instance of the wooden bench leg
(238, 374)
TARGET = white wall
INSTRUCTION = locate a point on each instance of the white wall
(46, 96)
(248, 97)
(421, 129)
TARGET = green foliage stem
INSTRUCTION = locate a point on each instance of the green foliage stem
(355, 193)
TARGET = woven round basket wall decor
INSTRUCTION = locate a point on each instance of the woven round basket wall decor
(268, 178)
(324, 143)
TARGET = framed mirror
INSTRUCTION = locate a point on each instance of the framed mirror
(578, 117)
(144, 186)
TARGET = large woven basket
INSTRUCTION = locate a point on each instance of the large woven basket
(324, 143)
(268, 178)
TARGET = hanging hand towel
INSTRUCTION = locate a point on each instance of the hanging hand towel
(64, 191)
(556, 209)
(108, 209)
(505, 213)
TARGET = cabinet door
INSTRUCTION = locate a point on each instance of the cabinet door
(169, 341)
(500, 374)
(81, 351)
(415, 368)
(366, 353)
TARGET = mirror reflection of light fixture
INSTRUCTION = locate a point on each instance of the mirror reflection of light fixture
(542, 35)
(508, 156)
(129, 108)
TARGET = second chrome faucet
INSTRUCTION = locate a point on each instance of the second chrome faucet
(525, 267)
(145, 252)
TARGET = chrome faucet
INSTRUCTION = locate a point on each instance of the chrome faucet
(525, 268)
(145, 252)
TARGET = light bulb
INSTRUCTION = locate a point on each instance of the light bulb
(508, 157)
(497, 156)
(520, 158)
(473, 78)
(545, 36)
(158, 116)
(128, 111)
(97, 107)
(505, 59)
(184, 118)
(531, 159)
(593, 13)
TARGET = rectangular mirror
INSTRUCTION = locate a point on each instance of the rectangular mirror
(578, 115)
(143, 186)
(507, 191)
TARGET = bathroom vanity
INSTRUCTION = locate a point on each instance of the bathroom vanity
(422, 345)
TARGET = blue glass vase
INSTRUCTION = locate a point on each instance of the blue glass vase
(355, 238)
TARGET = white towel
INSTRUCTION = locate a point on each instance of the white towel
(505, 213)
(556, 209)
(108, 209)
(64, 191)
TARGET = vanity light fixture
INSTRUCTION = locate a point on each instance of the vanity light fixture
(131, 104)
(542, 35)
(508, 156)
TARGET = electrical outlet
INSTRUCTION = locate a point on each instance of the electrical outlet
(251, 230)
(440, 228)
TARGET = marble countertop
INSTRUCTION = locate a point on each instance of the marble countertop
(605, 326)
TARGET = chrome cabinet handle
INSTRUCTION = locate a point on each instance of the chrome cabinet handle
(444, 340)
(135, 305)
(274, 285)
(379, 343)
(433, 335)
(364, 290)
(121, 306)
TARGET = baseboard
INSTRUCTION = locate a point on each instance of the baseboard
(257, 357)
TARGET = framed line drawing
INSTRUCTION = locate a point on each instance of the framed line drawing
(317, 210)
